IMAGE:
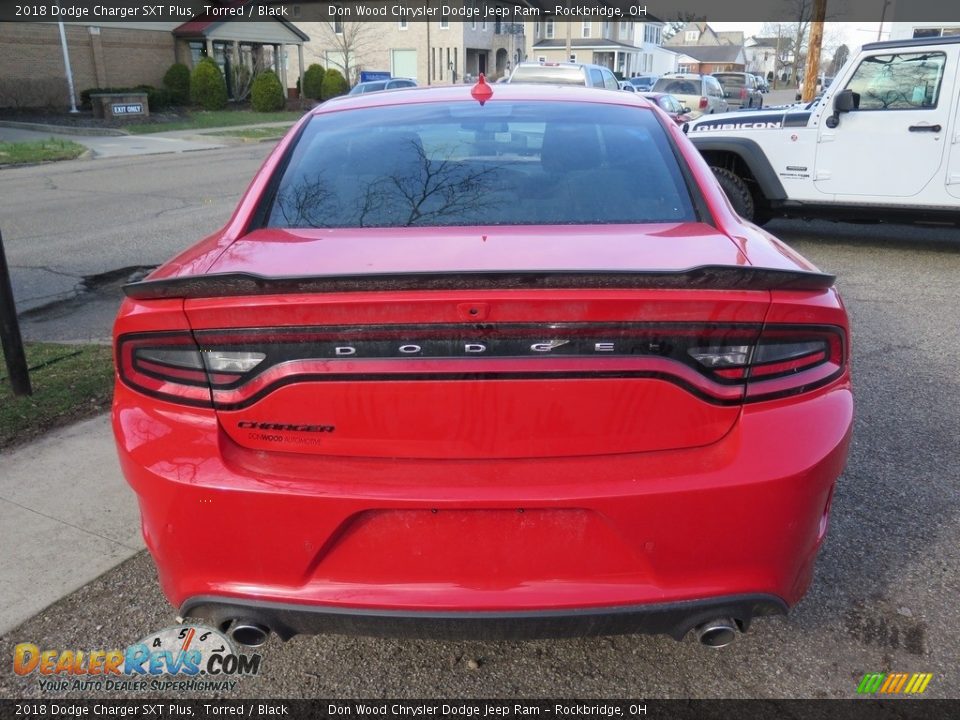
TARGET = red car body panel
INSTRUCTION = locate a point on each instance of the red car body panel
(647, 484)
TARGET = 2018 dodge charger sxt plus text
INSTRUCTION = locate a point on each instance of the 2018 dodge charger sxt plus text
(484, 362)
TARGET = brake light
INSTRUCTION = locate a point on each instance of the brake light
(703, 103)
(171, 366)
(784, 361)
(722, 363)
(743, 93)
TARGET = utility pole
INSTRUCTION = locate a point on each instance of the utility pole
(66, 65)
(812, 71)
(883, 15)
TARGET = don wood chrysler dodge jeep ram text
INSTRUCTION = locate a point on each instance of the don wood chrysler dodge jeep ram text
(484, 362)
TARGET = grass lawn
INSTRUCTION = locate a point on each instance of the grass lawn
(200, 119)
(16, 153)
(260, 133)
(70, 382)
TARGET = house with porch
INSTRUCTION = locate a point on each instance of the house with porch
(130, 53)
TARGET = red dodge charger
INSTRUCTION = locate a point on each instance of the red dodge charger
(484, 362)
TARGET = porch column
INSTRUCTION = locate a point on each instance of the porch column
(616, 57)
(209, 48)
(300, 58)
(283, 69)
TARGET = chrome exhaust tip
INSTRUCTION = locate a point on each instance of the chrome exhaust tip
(249, 633)
(717, 633)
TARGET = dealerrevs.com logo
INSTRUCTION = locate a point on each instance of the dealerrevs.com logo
(183, 657)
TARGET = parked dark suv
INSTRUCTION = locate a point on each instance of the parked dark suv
(740, 89)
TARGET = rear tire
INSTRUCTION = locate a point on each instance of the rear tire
(737, 192)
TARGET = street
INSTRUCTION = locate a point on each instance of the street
(885, 593)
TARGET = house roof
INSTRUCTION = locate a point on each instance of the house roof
(584, 44)
(713, 53)
(205, 23)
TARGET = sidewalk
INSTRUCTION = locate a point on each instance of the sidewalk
(105, 146)
(66, 517)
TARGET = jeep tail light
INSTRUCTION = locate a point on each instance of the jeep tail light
(703, 103)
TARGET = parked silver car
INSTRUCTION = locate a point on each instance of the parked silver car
(701, 93)
(563, 73)
(740, 89)
(377, 85)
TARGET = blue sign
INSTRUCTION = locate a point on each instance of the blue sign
(367, 75)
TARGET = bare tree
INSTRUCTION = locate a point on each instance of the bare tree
(349, 41)
(243, 73)
(840, 56)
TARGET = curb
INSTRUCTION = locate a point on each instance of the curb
(64, 129)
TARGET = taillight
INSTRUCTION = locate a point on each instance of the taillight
(703, 103)
(171, 366)
(785, 360)
(722, 363)
(743, 93)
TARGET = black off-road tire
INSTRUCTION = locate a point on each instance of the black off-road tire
(737, 191)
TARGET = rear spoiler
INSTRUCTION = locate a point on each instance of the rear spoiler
(704, 277)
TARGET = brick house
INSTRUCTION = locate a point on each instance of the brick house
(127, 54)
(435, 52)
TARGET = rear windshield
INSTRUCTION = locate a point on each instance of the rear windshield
(676, 86)
(548, 75)
(732, 80)
(505, 163)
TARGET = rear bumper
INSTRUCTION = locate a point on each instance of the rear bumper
(674, 619)
(649, 542)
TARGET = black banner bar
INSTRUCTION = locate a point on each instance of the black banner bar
(485, 709)
(107, 11)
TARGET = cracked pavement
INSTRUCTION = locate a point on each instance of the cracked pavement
(66, 223)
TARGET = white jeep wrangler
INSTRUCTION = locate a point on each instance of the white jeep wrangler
(881, 144)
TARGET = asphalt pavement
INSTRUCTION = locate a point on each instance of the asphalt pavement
(885, 591)
(886, 585)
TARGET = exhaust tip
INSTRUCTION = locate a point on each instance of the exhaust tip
(249, 633)
(717, 633)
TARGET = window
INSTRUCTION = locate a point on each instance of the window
(296, 11)
(444, 24)
(898, 82)
(585, 30)
(403, 24)
(548, 29)
(338, 27)
(536, 29)
(691, 36)
(542, 58)
(610, 80)
(473, 24)
(624, 30)
(539, 163)
(573, 57)
(483, 26)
